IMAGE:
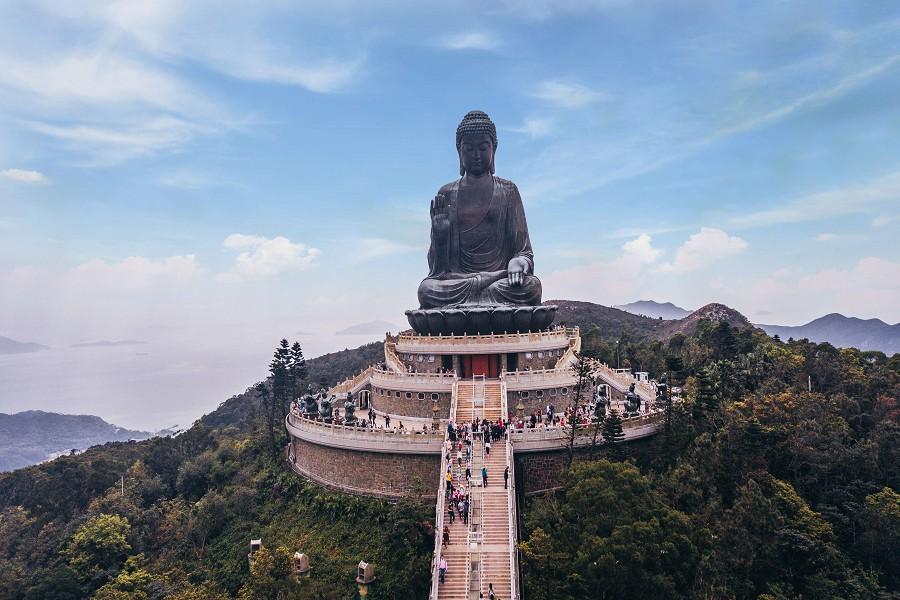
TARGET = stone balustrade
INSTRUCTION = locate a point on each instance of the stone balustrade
(538, 379)
(413, 382)
(485, 344)
(391, 359)
(541, 439)
(353, 384)
(622, 381)
(360, 438)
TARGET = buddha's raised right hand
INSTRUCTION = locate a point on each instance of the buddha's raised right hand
(440, 214)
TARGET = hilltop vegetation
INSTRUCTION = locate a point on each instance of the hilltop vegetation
(759, 490)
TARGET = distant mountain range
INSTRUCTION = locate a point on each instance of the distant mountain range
(33, 436)
(641, 320)
(654, 310)
(841, 331)
(10, 346)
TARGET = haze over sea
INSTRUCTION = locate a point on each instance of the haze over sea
(146, 386)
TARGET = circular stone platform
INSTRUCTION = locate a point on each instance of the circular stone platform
(475, 320)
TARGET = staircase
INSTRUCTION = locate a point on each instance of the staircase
(482, 554)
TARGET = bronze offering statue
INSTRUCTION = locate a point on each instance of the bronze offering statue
(481, 266)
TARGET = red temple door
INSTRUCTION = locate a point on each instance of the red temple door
(480, 365)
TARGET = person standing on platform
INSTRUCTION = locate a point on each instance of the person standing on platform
(484, 475)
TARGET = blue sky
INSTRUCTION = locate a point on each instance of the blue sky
(241, 171)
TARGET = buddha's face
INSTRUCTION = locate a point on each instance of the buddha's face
(476, 152)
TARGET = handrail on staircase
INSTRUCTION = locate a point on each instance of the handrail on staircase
(439, 512)
(510, 503)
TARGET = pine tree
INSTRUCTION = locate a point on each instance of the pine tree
(706, 400)
(280, 369)
(612, 429)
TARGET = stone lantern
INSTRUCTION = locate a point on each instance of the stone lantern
(255, 546)
(435, 416)
(301, 565)
(365, 574)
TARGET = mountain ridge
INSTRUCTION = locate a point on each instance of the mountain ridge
(842, 331)
(33, 436)
(654, 309)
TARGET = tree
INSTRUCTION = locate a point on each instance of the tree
(130, 584)
(612, 431)
(269, 575)
(612, 538)
(706, 400)
(267, 401)
(582, 368)
(882, 519)
(299, 370)
(99, 546)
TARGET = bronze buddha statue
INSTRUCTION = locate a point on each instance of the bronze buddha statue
(480, 256)
(480, 250)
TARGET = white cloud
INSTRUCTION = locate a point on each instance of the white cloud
(326, 75)
(825, 237)
(852, 199)
(113, 145)
(641, 249)
(811, 100)
(881, 221)
(609, 282)
(24, 176)
(371, 248)
(534, 127)
(266, 257)
(868, 289)
(470, 40)
(98, 78)
(704, 248)
(131, 274)
(566, 94)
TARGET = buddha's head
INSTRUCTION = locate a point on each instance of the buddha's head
(476, 144)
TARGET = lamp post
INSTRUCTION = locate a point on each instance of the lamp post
(618, 362)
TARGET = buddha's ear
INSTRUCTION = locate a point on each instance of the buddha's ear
(493, 160)
(462, 167)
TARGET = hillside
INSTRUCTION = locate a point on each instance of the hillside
(609, 324)
(654, 310)
(841, 331)
(30, 437)
(711, 312)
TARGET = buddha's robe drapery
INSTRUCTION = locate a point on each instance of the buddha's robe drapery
(488, 245)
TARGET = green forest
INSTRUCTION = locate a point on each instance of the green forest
(758, 489)
(776, 478)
